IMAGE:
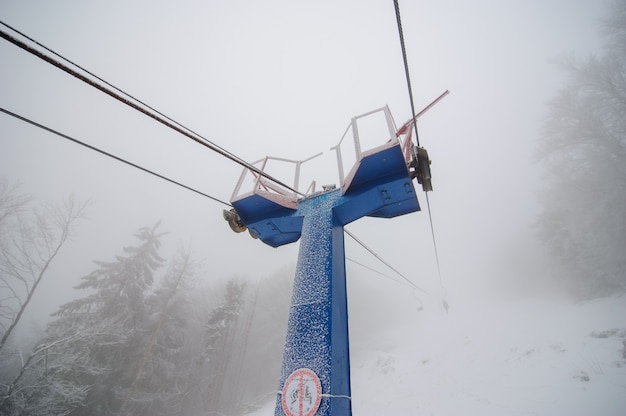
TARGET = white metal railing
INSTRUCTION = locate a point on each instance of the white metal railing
(403, 136)
(262, 185)
(356, 139)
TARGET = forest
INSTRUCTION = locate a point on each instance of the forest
(143, 336)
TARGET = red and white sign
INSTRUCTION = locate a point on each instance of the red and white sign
(302, 393)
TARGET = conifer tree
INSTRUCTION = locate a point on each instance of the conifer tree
(220, 331)
(155, 386)
(211, 353)
(96, 342)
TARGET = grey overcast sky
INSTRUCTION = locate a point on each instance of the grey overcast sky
(283, 78)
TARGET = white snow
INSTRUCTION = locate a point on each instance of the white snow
(526, 357)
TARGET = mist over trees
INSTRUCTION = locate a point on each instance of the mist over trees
(30, 241)
(583, 222)
(143, 336)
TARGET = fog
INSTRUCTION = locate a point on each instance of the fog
(284, 78)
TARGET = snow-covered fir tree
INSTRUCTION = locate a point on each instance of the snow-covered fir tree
(96, 342)
(167, 355)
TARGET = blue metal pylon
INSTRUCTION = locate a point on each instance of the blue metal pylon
(315, 375)
(317, 334)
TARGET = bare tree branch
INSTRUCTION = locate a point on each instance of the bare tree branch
(52, 229)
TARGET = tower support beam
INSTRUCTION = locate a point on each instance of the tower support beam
(317, 334)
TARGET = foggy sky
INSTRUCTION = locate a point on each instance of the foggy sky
(283, 78)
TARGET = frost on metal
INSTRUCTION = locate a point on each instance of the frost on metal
(309, 334)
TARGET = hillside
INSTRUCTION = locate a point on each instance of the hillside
(526, 357)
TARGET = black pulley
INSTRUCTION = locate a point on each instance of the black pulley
(420, 168)
(235, 222)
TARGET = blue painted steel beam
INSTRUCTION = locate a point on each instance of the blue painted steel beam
(387, 164)
(385, 199)
(317, 334)
(271, 222)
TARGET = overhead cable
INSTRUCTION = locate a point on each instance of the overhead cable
(119, 159)
(406, 68)
(384, 262)
(112, 86)
(375, 271)
(133, 103)
(417, 140)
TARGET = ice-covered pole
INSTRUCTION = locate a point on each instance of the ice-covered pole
(315, 375)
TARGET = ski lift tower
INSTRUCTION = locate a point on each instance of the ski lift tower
(315, 375)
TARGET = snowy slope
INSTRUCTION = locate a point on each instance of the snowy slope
(528, 357)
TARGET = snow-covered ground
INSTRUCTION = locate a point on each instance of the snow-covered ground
(524, 357)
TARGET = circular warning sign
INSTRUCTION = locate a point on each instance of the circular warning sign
(302, 393)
